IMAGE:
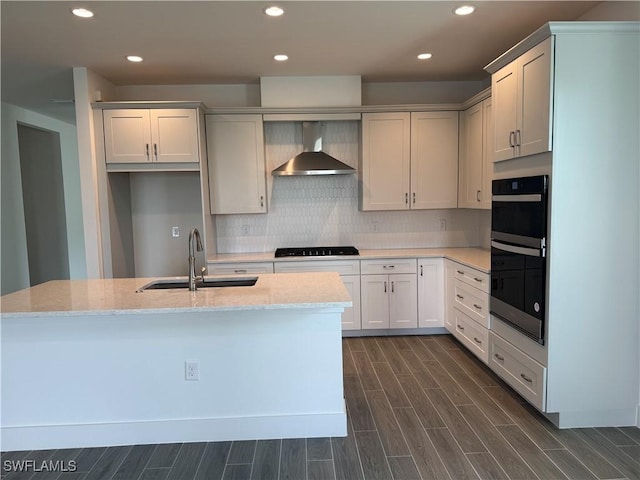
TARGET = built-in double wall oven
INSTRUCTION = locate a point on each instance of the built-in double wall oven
(518, 253)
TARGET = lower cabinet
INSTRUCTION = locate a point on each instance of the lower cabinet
(349, 271)
(389, 290)
(527, 376)
(467, 309)
(389, 301)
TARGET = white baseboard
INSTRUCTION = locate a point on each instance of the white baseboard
(42, 437)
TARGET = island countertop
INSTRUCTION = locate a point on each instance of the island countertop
(119, 296)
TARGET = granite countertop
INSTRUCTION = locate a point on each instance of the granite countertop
(473, 257)
(119, 296)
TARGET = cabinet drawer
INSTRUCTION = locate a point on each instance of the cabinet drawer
(240, 268)
(471, 301)
(343, 267)
(390, 265)
(472, 276)
(473, 336)
(523, 373)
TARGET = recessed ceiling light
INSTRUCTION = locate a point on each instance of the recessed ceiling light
(425, 56)
(134, 58)
(82, 12)
(280, 57)
(464, 10)
(274, 11)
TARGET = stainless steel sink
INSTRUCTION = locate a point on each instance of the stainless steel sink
(183, 284)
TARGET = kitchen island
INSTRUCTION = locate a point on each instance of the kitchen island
(89, 363)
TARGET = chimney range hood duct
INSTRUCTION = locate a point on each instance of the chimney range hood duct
(312, 160)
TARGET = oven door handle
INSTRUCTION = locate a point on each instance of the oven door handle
(530, 252)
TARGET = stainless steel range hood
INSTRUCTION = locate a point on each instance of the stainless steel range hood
(312, 160)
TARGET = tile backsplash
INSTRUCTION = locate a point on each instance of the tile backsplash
(323, 210)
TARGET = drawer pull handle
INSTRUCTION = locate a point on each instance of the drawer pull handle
(498, 357)
(459, 296)
(526, 379)
(461, 327)
(477, 279)
(477, 306)
(388, 267)
(240, 270)
(460, 272)
(479, 342)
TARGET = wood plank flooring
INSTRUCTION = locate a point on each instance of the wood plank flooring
(418, 408)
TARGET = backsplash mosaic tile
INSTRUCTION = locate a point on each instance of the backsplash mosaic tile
(323, 210)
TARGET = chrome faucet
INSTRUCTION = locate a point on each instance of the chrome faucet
(194, 234)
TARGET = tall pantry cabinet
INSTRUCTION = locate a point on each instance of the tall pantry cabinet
(587, 373)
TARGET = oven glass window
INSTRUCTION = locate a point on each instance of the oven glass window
(526, 219)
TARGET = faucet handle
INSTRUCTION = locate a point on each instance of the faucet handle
(202, 271)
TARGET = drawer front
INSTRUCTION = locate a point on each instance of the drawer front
(473, 336)
(239, 268)
(471, 301)
(343, 267)
(472, 277)
(523, 373)
(390, 265)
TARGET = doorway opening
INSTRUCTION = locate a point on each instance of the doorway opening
(44, 207)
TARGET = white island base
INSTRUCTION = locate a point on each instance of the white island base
(119, 379)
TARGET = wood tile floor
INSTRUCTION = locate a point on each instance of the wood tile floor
(418, 408)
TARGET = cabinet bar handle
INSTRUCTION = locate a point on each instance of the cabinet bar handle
(261, 200)
(460, 272)
(518, 137)
(420, 270)
(388, 267)
(406, 198)
(155, 150)
(477, 306)
(240, 270)
(477, 279)
(393, 289)
(414, 198)
(148, 152)
(526, 379)
(498, 357)
(479, 342)
(512, 136)
(459, 296)
(385, 287)
(461, 327)
(478, 196)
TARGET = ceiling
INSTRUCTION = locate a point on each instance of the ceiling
(208, 42)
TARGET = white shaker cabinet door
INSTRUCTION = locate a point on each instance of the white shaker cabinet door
(431, 293)
(385, 161)
(434, 160)
(127, 135)
(403, 301)
(504, 91)
(235, 151)
(375, 301)
(351, 315)
(175, 135)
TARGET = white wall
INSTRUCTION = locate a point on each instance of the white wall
(210, 95)
(160, 201)
(86, 83)
(398, 93)
(15, 267)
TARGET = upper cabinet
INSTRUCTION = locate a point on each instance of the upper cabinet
(409, 160)
(522, 104)
(235, 152)
(476, 153)
(147, 136)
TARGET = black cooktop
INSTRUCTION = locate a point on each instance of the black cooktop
(316, 251)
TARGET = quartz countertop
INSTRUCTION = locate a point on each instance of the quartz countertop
(472, 257)
(119, 296)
